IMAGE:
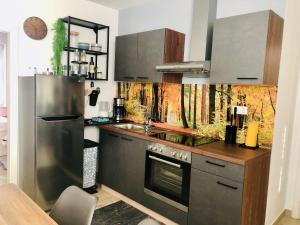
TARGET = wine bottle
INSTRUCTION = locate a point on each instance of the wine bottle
(92, 68)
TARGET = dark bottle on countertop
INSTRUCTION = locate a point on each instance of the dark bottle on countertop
(92, 69)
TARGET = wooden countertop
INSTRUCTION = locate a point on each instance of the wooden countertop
(17, 208)
(218, 150)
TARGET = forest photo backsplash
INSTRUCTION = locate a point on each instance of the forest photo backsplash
(202, 109)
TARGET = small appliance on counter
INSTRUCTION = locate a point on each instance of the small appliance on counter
(119, 111)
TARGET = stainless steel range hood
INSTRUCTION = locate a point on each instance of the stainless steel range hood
(204, 15)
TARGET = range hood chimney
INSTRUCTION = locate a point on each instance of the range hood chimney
(204, 16)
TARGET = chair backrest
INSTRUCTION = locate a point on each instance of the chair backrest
(148, 221)
(74, 207)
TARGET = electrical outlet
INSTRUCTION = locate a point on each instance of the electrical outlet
(241, 110)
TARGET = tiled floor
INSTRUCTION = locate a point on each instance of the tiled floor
(105, 198)
(286, 220)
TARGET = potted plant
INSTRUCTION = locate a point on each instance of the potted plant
(59, 42)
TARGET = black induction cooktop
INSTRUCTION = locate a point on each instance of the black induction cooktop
(188, 140)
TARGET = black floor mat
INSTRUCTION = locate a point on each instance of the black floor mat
(118, 213)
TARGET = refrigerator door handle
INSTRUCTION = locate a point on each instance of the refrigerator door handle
(62, 118)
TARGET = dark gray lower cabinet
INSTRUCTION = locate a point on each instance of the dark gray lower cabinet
(122, 164)
(214, 200)
(166, 210)
(122, 168)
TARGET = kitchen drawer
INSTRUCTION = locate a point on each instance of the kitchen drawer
(214, 200)
(218, 167)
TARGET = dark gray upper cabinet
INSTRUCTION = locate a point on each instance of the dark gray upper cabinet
(138, 54)
(247, 48)
(150, 54)
(126, 58)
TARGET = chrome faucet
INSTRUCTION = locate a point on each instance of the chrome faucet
(147, 118)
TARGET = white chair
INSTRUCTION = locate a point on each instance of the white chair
(148, 221)
(74, 207)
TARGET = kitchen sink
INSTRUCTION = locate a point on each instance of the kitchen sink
(138, 128)
(130, 126)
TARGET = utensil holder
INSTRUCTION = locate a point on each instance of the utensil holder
(230, 134)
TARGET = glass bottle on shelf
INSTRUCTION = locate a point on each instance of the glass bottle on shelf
(92, 69)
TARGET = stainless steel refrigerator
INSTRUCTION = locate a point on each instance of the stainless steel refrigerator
(51, 135)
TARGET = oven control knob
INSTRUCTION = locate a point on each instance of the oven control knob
(180, 155)
(160, 150)
(154, 149)
(174, 154)
(185, 157)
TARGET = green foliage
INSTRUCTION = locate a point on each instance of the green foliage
(58, 44)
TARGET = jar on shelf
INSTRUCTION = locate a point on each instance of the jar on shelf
(83, 70)
(74, 36)
(76, 69)
(76, 56)
(83, 56)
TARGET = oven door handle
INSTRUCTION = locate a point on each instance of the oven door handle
(165, 161)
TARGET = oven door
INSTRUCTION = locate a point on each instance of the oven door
(168, 180)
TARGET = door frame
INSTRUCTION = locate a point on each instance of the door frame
(12, 64)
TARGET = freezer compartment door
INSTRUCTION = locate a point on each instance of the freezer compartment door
(59, 95)
(59, 157)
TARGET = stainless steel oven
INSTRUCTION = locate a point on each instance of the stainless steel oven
(167, 175)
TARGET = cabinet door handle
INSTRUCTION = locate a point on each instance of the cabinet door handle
(126, 139)
(113, 135)
(143, 78)
(215, 164)
(128, 78)
(226, 185)
(247, 78)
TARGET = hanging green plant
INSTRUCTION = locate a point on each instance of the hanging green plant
(59, 42)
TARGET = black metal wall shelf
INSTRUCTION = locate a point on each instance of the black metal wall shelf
(95, 27)
(89, 52)
(94, 79)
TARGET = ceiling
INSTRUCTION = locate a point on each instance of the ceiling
(121, 4)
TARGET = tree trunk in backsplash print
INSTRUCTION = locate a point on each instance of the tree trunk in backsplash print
(190, 103)
(183, 116)
(203, 108)
(195, 107)
(228, 103)
(222, 101)
(154, 113)
(212, 104)
(203, 104)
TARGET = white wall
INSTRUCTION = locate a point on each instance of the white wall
(291, 67)
(236, 7)
(177, 14)
(173, 14)
(283, 134)
(26, 53)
